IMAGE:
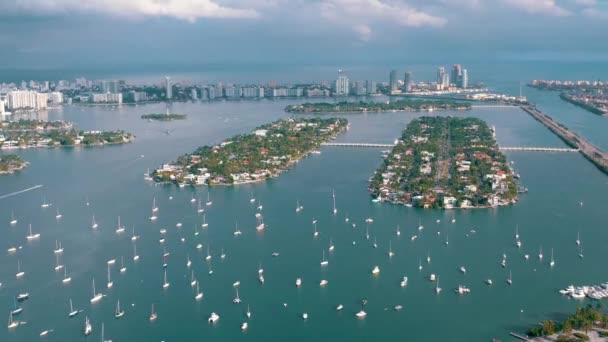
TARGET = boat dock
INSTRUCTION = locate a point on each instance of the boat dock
(593, 153)
(520, 337)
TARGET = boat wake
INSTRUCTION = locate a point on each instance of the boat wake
(22, 191)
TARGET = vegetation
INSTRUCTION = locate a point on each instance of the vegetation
(400, 105)
(164, 117)
(583, 320)
(10, 163)
(445, 162)
(253, 157)
(34, 125)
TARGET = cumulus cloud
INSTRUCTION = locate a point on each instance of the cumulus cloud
(548, 7)
(362, 15)
(181, 9)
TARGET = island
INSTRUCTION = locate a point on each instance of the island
(447, 163)
(361, 107)
(266, 152)
(11, 163)
(586, 323)
(589, 95)
(39, 133)
(164, 117)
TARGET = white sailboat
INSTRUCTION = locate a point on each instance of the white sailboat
(237, 299)
(437, 288)
(154, 206)
(375, 243)
(120, 228)
(199, 206)
(32, 236)
(93, 223)
(419, 264)
(248, 313)
(199, 294)
(123, 269)
(66, 279)
(153, 315)
(118, 313)
(208, 257)
(298, 206)
(110, 282)
(260, 206)
(323, 261)
(552, 262)
(188, 261)
(135, 256)
(367, 232)
(237, 232)
(11, 323)
(540, 253)
(510, 279)
(252, 199)
(88, 329)
(316, 233)
(517, 232)
(103, 339)
(333, 197)
(19, 273)
(193, 280)
(260, 225)
(17, 309)
(209, 201)
(72, 312)
(205, 224)
(222, 254)
(578, 239)
(58, 215)
(580, 251)
(390, 249)
(96, 296)
(44, 203)
(13, 220)
(331, 245)
(398, 231)
(165, 282)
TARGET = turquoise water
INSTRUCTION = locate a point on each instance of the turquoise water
(112, 180)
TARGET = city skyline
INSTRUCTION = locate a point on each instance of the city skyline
(203, 32)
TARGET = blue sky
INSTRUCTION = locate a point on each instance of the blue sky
(104, 33)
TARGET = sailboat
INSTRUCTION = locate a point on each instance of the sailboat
(398, 231)
(367, 232)
(437, 288)
(222, 254)
(199, 294)
(323, 261)
(58, 216)
(580, 252)
(58, 248)
(552, 262)
(298, 206)
(72, 311)
(123, 269)
(19, 273)
(58, 266)
(17, 309)
(12, 324)
(390, 249)
(103, 339)
(96, 296)
(205, 224)
(44, 203)
(237, 232)
(135, 256)
(420, 226)
(260, 206)
(120, 229)
(578, 239)
(188, 261)
(510, 279)
(192, 279)
(516, 232)
(260, 225)
(154, 206)
(447, 242)
(237, 299)
(331, 245)
(32, 236)
(375, 243)
(88, 329)
(153, 315)
(13, 220)
(540, 253)
(333, 196)
(66, 279)
(428, 257)
(248, 313)
(199, 206)
(316, 233)
(208, 257)
(93, 223)
(209, 201)
(118, 313)
(419, 264)
(110, 282)
(165, 282)
(252, 199)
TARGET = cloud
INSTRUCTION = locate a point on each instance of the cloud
(362, 15)
(547, 7)
(189, 10)
(586, 2)
(595, 13)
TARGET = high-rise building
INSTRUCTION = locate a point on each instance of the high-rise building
(440, 73)
(110, 86)
(193, 94)
(464, 79)
(342, 86)
(1, 107)
(168, 88)
(408, 81)
(360, 88)
(393, 82)
(24, 99)
(371, 87)
(456, 74)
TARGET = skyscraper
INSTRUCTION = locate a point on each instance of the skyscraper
(393, 82)
(457, 74)
(371, 87)
(408, 81)
(110, 86)
(169, 88)
(342, 86)
(464, 79)
(440, 73)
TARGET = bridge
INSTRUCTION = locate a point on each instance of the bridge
(376, 145)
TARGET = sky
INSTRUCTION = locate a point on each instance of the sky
(140, 33)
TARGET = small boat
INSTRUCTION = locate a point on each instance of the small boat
(428, 257)
(578, 239)
(12, 249)
(404, 282)
(361, 314)
(462, 269)
(188, 261)
(120, 228)
(205, 224)
(23, 296)
(261, 278)
(153, 315)
(304, 316)
(323, 261)
(518, 243)
(163, 231)
(19, 273)
(45, 204)
(123, 269)
(398, 307)
(275, 254)
(17, 310)
(192, 200)
(213, 318)
(193, 280)
(316, 233)
(66, 279)
(376, 270)
(340, 307)
(96, 296)
(208, 257)
(432, 277)
(419, 265)
(72, 312)
(489, 281)
(580, 252)
(135, 256)
(248, 313)
(527, 257)
(333, 196)
(118, 313)
(331, 245)
(437, 288)
(58, 215)
(323, 282)
(552, 262)
(58, 249)
(390, 250)
(252, 199)
(237, 232)
(209, 202)
(88, 329)
(369, 220)
(462, 289)
(165, 282)
(94, 224)
(510, 279)
(13, 220)
(244, 326)
(420, 226)
(178, 225)
(298, 282)
(199, 294)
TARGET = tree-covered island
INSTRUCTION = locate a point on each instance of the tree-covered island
(254, 157)
(164, 117)
(10, 163)
(445, 162)
(360, 107)
(39, 133)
